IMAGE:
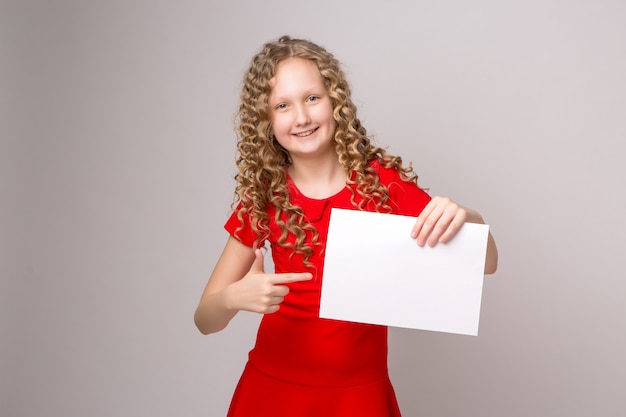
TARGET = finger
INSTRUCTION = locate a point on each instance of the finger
(455, 225)
(449, 223)
(272, 309)
(273, 305)
(442, 224)
(280, 291)
(431, 221)
(277, 300)
(291, 277)
(439, 222)
(258, 266)
(419, 223)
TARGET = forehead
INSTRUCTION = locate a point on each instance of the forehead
(295, 73)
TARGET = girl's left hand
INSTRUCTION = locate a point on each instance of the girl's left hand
(440, 220)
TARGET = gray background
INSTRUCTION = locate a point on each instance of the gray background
(116, 167)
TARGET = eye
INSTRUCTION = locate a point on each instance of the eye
(281, 106)
(313, 98)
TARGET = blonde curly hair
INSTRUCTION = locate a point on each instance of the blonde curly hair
(262, 161)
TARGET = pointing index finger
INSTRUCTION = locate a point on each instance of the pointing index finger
(291, 277)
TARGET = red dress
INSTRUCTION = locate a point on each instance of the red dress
(304, 366)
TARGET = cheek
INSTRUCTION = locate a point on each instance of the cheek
(280, 124)
(330, 120)
(329, 114)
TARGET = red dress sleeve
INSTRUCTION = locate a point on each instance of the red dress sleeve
(406, 198)
(241, 229)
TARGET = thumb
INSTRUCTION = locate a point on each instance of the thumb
(258, 265)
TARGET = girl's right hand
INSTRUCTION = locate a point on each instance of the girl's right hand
(260, 292)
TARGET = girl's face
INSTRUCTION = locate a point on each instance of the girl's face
(301, 110)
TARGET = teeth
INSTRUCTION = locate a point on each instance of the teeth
(307, 133)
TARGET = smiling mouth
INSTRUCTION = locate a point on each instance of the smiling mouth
(303, 134)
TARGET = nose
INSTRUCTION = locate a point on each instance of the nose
(302, 116)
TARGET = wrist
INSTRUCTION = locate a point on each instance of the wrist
(473, 216)
(227, 298)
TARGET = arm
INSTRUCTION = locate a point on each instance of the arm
(239, 282)
(491, 258)
(442, 218)
(213, 312)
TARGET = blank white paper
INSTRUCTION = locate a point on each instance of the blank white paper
(375, 273)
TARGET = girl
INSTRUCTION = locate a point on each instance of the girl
(302, 150)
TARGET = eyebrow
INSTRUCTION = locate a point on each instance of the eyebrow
(307, 92)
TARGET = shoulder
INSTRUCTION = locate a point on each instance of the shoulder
(404, 194)
(244, 226)
(387, 175)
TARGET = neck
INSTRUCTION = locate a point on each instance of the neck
(318, 178)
